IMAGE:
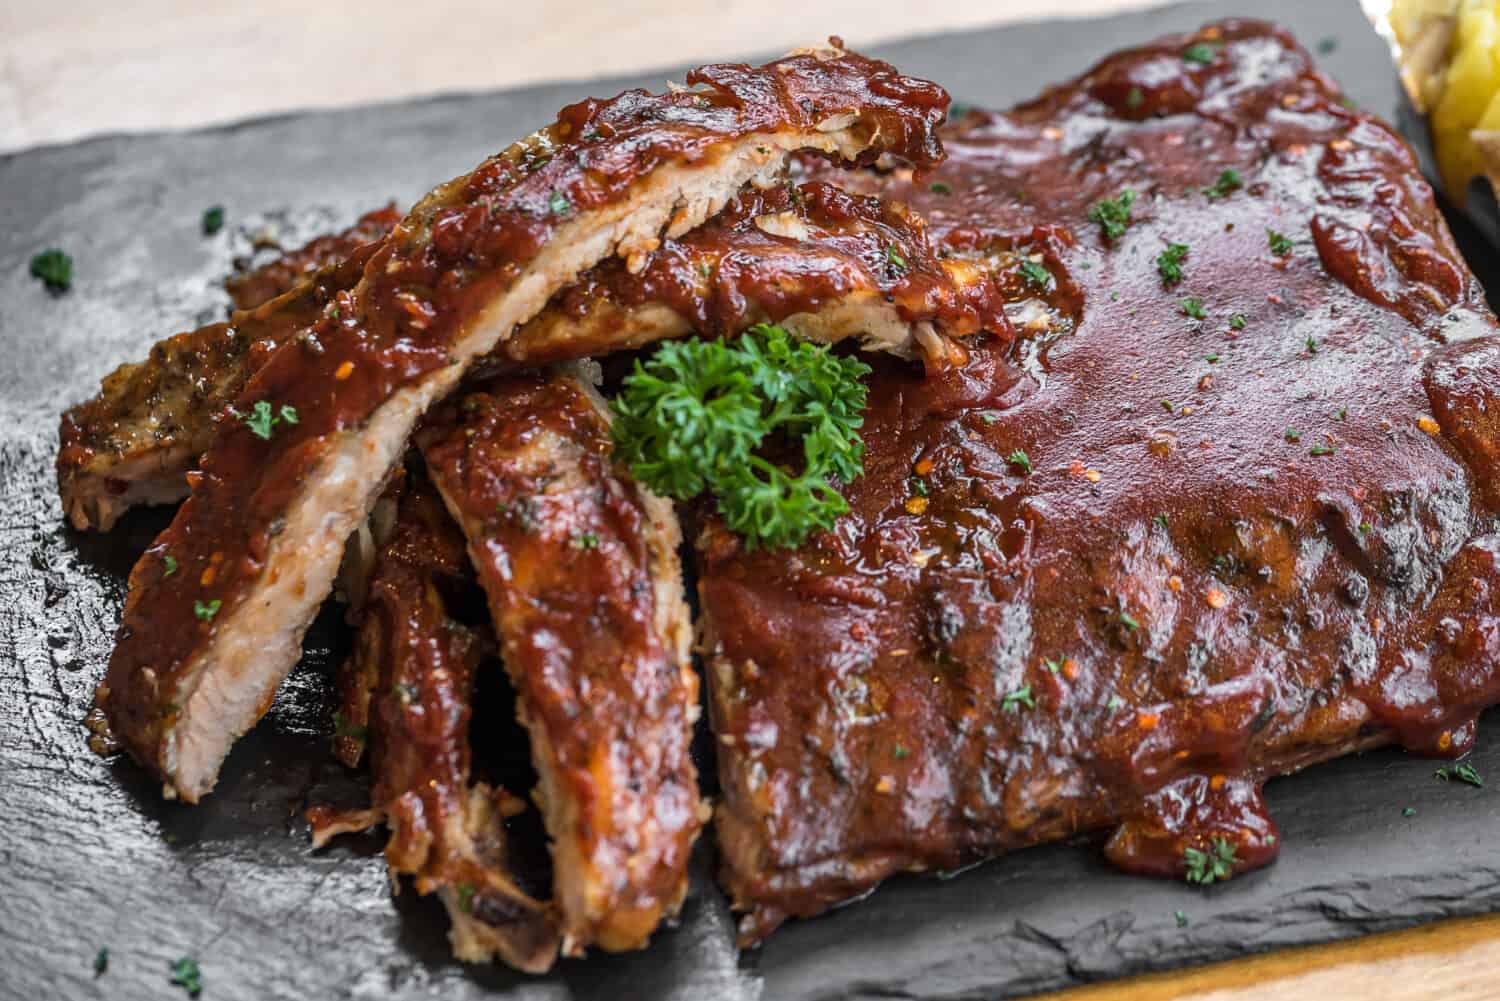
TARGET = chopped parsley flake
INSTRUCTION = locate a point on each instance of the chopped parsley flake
(988, 418)
(1169, 263)
(1182, 918)
(54, 268)
(1193, 306)
(894, 259)
(1312, 345)
(1320, 450)
(1036, 275)
(1168, 406)
(585, 540)
(1292, 434)
(262, 419)
(1211, 358)
(919, 486)
(1162, 522)
(1018, 699)
(899, 752)
(558, 204)
(1204, 867)
(940, 188)
(1341, 413)
(1229, 181)
(101, 961)
(1201, 53)
(1364, 528)
(213, 220)
(1053, 666)
(1408, 811)
(1129, 622)
(1237, 321)
(206, 612)
(1020, 460)
(185, 974)
(1460, 773)
(168, 565)
(1280, 245)
(1114, 702)
(1113, 215)
(1134, 98)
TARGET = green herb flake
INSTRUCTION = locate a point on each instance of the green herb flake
(101, 961)
(1181, 917)
(1327, 44)
(899, 752)
(1312, 345)
(1162, 522)
(1018, 699)
(1364, 528)
(1211, 359)
(940, 188)
(213, 220)
(1292, 434)
(1237, 321)
(1115, 702)
(1205, 867)
(692, 419)
(206, 612)
(1228, 182)
(1021, 461)
(585, 540)
(894, 259)
(1341, 414)
(54, 269)
(1168, 406)
(1193, 306)
(1053, 666)
(918, 486)
(1200, 53)
(185, 974)
(1036, 275)
(168, 565)
(1320, 450)
(1134, 98)
(1129, 622)
(1465, 772)
(1280, 245)
(558, 204)
(1408, 811)
(1169, 263)
(1113, 215)
(988, 418)
(262, 419)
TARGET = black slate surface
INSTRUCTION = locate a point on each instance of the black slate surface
(91, 857)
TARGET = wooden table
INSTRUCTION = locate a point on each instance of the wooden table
(91, 66)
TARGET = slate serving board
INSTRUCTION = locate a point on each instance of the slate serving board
(91, 857)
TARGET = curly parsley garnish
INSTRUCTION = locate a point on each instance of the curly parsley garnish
(262, 419)
(1210, 866)
(1113, 215)
(697, 415)
(54, 268)
(1169, 263)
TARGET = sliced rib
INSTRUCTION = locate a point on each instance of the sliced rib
(410, 683)
(579, 563)
(202, 649)
(825, 264)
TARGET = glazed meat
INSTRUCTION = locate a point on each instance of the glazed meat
(825, 264)
(410, 683)
(249, 289)
(580, 567)
(218, 604)
(1225, 509)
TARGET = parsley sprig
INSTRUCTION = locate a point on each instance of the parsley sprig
(696, 417)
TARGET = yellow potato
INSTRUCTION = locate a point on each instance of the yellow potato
(1469, 88)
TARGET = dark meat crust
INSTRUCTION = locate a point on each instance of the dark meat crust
(201, 651)
(579, 564)
(414, 666)
(826, 263)
(251, 288)
(1243, 546)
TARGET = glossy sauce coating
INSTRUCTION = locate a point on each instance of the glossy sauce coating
(585, 593)
(773, 254)
(455, 255)
(1114, 575)
(417, 665)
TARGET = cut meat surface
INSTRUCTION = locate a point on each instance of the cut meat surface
(580, 567)
(414, 667)
(218, 604)
(824, 264)
(1187, 532)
